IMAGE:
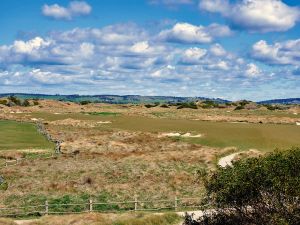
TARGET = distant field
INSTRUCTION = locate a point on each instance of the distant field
(15, 135)
(219, 134)
(244, 136)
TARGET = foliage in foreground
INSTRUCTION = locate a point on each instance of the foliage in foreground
(261, 191)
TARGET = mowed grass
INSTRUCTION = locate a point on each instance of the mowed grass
(17, 135)
(244, 136)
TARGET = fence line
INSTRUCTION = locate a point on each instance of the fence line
(92, 206)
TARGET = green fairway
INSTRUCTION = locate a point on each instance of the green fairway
(16, 135)
(218, 134)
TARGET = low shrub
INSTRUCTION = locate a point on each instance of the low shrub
(262, 191)
(239, 107)
(188, 105)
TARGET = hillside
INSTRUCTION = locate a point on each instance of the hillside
(113, 99)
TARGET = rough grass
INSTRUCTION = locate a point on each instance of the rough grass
(16, 135)
(107, 219)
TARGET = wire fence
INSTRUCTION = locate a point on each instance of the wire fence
(48, 208)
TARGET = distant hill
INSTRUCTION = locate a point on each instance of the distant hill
(136, 99)
(114, 99)
(282, 101)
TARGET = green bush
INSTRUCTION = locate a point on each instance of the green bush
(14, 100)
(263, 190)
(26, 103)
(3, 102)
(85, 102)
(239, 107)
(188, 105)
(164, 106)
(273, 107)
(150, 106)
(207, 104)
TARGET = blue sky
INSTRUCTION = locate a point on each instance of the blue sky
(231, 49)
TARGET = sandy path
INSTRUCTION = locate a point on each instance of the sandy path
(25, 222)
(227, 160)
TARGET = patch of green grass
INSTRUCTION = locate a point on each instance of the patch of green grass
(265, 137)
(104, 113)
(17, 135)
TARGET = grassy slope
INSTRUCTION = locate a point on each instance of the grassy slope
(265, 137)
(15, 135)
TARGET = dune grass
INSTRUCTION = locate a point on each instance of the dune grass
(106, 219)
(17, 135)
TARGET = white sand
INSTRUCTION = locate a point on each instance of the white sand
(190, 135)
(227, 160)
(104, 122)
(187, 135)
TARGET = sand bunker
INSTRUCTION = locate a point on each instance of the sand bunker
(104, 122)
(186, 135)
(79, 123)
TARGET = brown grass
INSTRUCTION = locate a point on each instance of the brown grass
(106, 219)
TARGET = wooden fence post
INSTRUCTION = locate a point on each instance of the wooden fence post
(176, 203)
(46, 208)
(90, 205)
(135, 203)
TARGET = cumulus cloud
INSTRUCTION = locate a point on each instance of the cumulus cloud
(217, 50)
(255, 15)
(75, 8)
(193, 55)
(253, 70)
(133, 62)
(280, 53)
(190, 34)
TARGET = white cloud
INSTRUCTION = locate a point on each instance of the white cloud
(29, 46)
(193, 55)
(140, 47)
(75, 8)
(255, 15)
(253, 70)
(222, 65)
(191, 34)
(133, 63)
(217, 50)
(281, 53)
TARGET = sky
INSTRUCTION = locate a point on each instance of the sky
(230, 49)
